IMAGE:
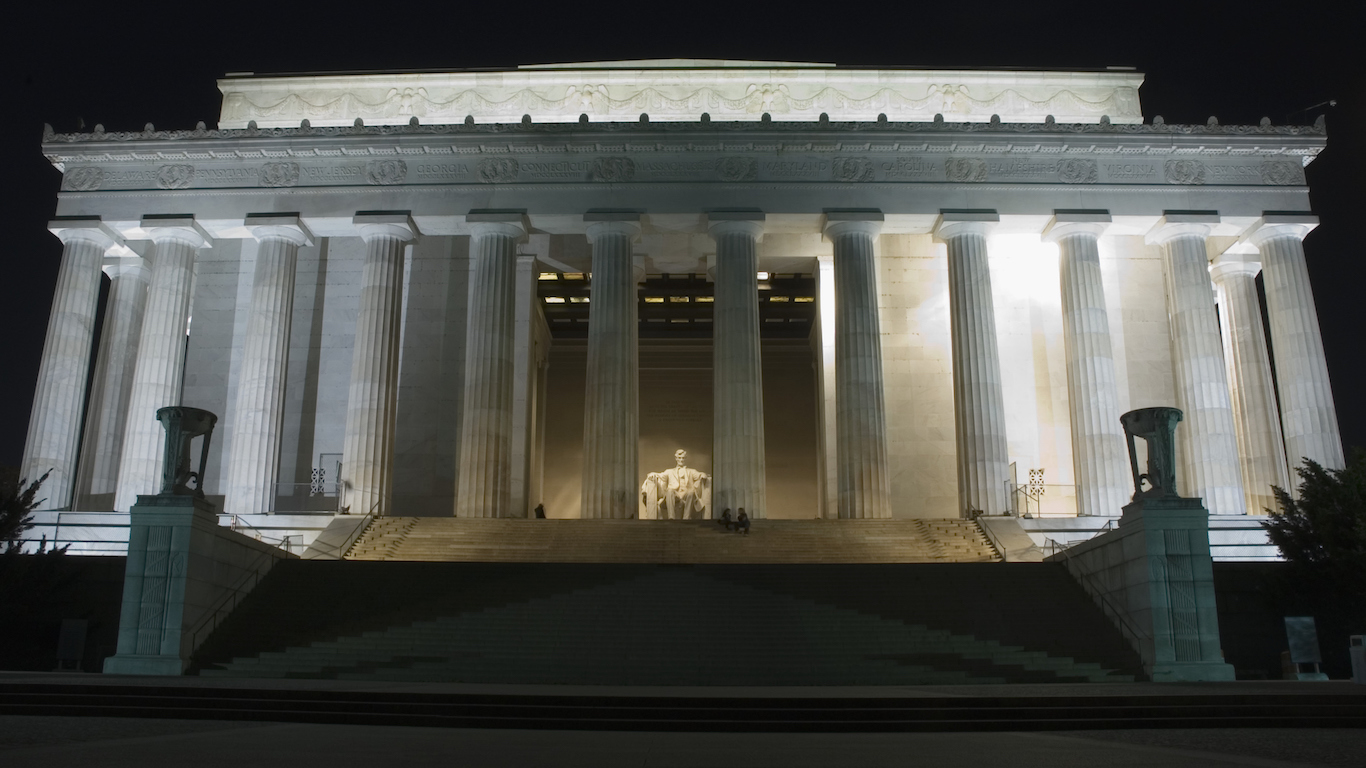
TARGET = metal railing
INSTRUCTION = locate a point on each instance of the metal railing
(1041, 499)
(1088, 583)
(225, 604)
(308, 498)
(284, 541)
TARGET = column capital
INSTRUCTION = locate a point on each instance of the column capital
(497, 222)
(1230, 264)
(847, 222)
(955, 223)
(87, 228)
(1174, 224)
(1067, 223)
(127, 266)
(754, 227)
(280, 226)
(1274, 225)
(175, 228)
(612, 223)
(398, 225)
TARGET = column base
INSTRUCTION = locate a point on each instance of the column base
(145, 664)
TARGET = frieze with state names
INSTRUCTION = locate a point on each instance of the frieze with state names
(770, 167)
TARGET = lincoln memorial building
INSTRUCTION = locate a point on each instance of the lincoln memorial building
(663, 289)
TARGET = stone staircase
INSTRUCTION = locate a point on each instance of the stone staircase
(668, 625)
(450, 539)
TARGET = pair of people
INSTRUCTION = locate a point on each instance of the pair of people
(740, 524)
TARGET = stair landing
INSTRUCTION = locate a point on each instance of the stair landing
(450, 539)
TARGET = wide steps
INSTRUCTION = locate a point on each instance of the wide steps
(667, 627)
(449, 539)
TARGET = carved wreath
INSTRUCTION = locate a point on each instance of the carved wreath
(965, 169)
(1077, 171)
(1282, 172)
(175, 176)
(852, 169)
(83, 179)
(613, 169)
(386, 172)
(492, 170)
(279, 174)
(1184, 171)
(737, 168)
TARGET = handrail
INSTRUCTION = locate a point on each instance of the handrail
(1130, 631)
(220, 607)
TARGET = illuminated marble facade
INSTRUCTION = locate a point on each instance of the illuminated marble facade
(1003, 262)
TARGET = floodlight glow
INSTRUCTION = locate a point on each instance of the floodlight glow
(554, 299)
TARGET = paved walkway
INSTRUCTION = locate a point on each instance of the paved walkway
(46, 742)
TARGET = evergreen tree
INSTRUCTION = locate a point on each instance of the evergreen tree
(16, 507)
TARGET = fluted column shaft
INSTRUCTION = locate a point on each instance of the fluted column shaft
(368, 443)
(1099, 452)
(54, 426)
(1206, 442)
(978, 404)
(860, 411)
(485, 473)
(254, 462)
(1308, 416)
(737, 376)
(1252, 392)
(611, 427)
(161, 362)
(107, 412)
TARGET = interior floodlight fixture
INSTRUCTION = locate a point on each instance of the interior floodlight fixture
(573, 276)
(804, 299)
(779, 299)
(550, 276)
(554, 299)
(705, 299)
(678, 299)
(654, 299)
(763, 275)
(578, 299)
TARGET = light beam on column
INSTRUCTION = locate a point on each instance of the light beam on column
(484, 488)
(1308, 416)
(860, 411)
(54, 427)
(1206, 441)
(978, 403)
(161, 353)
(368, 445)
(611, 420)
(737, 371)
(1099, 452)
(254, 463)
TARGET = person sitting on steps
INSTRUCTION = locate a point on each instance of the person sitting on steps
(724, 519)
(742, 522)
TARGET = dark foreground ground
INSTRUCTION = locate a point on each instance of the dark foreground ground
(94, 741)
(50, 741)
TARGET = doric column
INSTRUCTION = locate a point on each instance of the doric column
(1099, 453)
(368, 444)
(978, 405)
(860, 412)
(737, 376)
(254, 463)
(54, 425)
(1206, 442)
(1308, 416)
(161, 353)
(107, 412)
(1252, 391)
(484, 487)
(611, 421)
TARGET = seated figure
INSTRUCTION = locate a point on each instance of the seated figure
(680, 493)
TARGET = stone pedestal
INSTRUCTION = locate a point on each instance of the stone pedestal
(1252, 391)
(112, 386)
(184, 574)
(484, 488)
(54, 427)
(1207, 444)
(254, 463)
(368, 444)
(611, 421)
(1308, 415)
(161, 353)
(738, 467)
(978, 403)
(861, 420)
(1093, 397)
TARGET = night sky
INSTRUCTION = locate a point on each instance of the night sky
(128, 64)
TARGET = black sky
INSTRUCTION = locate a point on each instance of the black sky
(128, 64)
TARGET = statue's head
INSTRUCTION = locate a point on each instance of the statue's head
(681, 457)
